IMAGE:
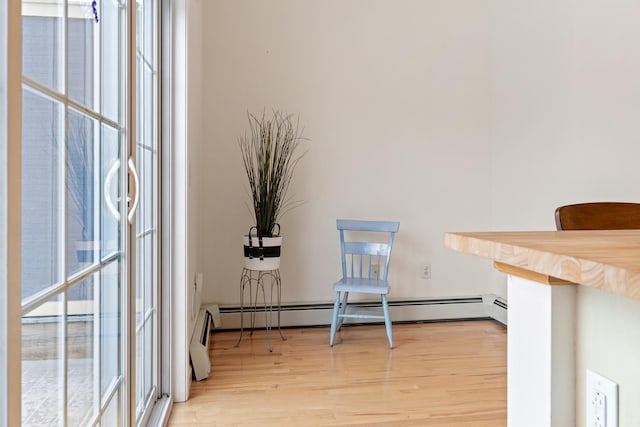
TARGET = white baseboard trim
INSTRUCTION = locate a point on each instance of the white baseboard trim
(436, 309)
(496, 308)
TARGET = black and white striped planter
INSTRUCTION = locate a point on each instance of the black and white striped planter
(262, 253)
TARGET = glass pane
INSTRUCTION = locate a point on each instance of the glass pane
(139, 370)
(42, 181)
(112, 201)
(43, 335)
(81, 59)
(82, 401)
(82, 194)
(139, 283)
(43, 42)
(147, 264)
(145, 320)
(147, 190)
(148, 358)
(112, 82)
(148, 30)
(139, 30)
(147, 100)
(146, 241)
(110, 328)
(111, 417)
(141, 168)
(139, 99)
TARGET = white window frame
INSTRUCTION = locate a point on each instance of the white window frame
(10, 211)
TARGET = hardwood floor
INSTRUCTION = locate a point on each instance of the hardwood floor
(439, 374)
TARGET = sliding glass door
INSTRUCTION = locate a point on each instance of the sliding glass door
(90, 331)
(74, 151)
(147, 235)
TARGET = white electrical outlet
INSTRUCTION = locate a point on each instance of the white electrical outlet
(602, 401)
(599, 403)
(426, 271)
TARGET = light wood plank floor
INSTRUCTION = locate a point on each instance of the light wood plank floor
(439, 374)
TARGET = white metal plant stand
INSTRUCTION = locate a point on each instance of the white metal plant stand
(256, 278)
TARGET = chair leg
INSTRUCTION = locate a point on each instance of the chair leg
(387, 320)
(334, 320)
(343, 309)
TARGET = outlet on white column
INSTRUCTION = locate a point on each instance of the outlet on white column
(602, 401)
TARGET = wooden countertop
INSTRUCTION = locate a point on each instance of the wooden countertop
(607, 260)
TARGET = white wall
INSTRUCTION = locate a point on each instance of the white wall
(394, 97)
(566, 106)
(608, 342)
(456, 115)
(566, 112)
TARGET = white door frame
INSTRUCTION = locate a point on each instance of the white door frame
(11, 211)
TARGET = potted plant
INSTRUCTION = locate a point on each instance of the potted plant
(270, 154)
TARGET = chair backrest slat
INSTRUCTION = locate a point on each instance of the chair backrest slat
(366, 248)
(358, 225)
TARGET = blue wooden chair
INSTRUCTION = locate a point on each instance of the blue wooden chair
(365, 267)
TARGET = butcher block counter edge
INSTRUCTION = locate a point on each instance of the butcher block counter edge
(608, 260)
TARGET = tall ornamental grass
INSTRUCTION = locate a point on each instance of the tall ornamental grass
(270, 153)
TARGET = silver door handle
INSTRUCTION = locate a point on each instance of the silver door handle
(136, 185)
(107, 191)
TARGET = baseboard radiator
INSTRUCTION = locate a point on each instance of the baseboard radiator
(424, 310)
(199, 346)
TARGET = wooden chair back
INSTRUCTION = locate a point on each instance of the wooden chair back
(598, 216)
(358, 257)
